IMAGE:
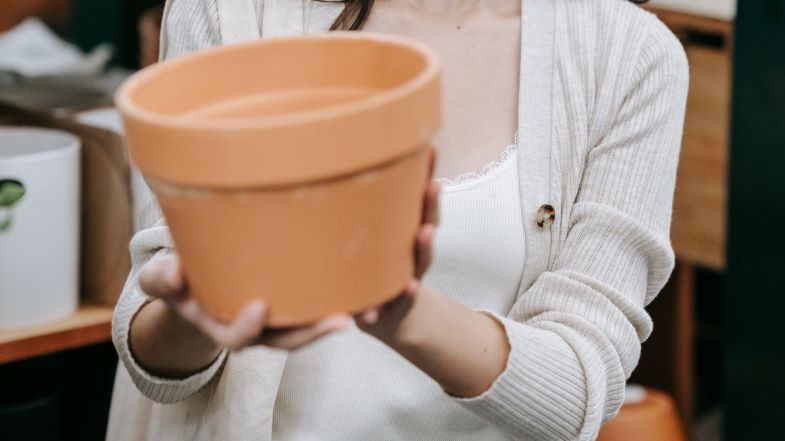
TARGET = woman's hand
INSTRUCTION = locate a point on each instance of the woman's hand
(173, 337)
(164, 279)
(384, 322)
(461, 349)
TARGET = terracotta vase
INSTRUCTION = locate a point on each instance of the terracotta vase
(651, 416)
(290, 170)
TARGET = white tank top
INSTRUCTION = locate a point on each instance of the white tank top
(351, 387)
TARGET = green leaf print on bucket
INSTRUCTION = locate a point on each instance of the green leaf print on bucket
(11, 192)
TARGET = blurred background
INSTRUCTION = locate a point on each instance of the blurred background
(717, 348)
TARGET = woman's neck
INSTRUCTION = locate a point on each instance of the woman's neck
(502, 8)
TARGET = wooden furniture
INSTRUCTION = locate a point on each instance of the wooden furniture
(699, 228)
(149, 35)
(91, 324)
(699, 213)
(12, 12)
(667, 361)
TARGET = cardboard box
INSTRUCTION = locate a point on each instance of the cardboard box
(106, 203)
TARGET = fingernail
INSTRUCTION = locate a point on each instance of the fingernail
(257, 306)
(371, 317)
(411, 287)
(344, 323)
(427, 232)
(173, 277)
(338, 323)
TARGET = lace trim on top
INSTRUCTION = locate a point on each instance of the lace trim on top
(487, 168)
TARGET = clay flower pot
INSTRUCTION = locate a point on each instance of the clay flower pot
(290, 170)
(647, 415)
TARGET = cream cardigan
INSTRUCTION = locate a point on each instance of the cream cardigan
(602, 102)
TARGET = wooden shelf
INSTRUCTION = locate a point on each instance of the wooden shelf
(699, 227)
(89, 325)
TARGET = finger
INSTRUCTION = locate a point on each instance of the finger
(432, 155)
(162, 277)
(397, 307)
(369, 317)
(295, 338)
(401, 304)
(431, 204)
(242, 332)
(411, 289)
(424, 250)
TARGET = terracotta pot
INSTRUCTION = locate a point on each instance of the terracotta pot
(649, 417)
(290, 170)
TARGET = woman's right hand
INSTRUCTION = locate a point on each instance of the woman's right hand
(173, 337)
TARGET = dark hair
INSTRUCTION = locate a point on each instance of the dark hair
(355, 13)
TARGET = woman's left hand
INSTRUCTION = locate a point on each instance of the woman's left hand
(461, 349)
(384, 321)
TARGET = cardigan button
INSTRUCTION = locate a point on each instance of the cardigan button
(546, 214)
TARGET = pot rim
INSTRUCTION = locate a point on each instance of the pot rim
(430, 72)
(159, 184)
(61, 144)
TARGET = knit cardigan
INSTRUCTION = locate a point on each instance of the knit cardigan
(602, 100)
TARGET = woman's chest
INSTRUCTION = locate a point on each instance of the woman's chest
(480, 53)
(479, 246)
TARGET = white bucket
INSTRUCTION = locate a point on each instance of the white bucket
(39, 226)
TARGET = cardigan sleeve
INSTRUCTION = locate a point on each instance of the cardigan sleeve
(153, 240)
(190, 26)
(575, 335)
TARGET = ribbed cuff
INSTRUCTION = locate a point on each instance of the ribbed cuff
(539, 395)
(161, 390)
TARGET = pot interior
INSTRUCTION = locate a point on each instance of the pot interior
(251, 81)
(277, 103)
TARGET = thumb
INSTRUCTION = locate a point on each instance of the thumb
(162, 277)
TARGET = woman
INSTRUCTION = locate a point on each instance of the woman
(532, 315)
